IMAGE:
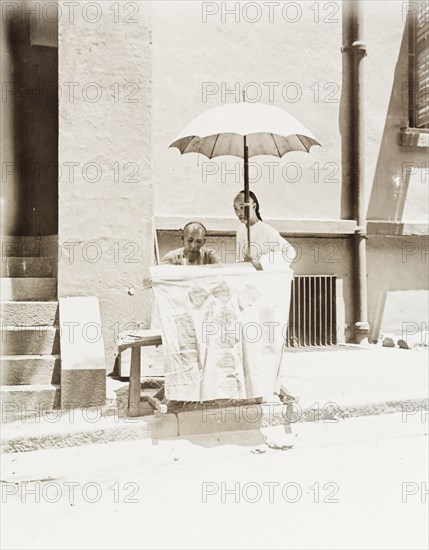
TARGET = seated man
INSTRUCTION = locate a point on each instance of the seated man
(193, 252)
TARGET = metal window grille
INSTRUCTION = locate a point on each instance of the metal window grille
(419, 65)
(313, 312)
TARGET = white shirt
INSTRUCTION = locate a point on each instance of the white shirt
(266, 244)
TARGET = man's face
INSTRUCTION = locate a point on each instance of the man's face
(193, 240)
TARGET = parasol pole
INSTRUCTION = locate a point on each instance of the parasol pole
(246, 189)
(246, 183)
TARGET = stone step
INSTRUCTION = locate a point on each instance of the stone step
(22, 401)
(29, 313)
(29, 288)
(27, 340)
(30, 246)
(17, 370)
(30, 266)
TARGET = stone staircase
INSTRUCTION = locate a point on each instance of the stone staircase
(30, 338)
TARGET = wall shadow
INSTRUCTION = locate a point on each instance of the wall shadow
(397, 268)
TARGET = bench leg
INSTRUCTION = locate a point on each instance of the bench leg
(159, 405)
(159, 401)
(134, 388)
(160, 394)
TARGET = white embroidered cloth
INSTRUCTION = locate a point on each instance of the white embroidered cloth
(223, 330)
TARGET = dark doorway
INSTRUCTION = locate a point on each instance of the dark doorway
(29, 130)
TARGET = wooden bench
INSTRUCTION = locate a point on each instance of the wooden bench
(153, 337)
(136, 340)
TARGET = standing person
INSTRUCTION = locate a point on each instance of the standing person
(193, 252)
(267, 247)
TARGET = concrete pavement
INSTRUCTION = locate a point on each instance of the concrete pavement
(358, 483)
(331, 384)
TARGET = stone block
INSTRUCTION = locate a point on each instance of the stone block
(22, 401)
(42, 340)
(83, 388)
(220, 418)
(30, 246)
(30, 369)
(29, 288)
(83, 364)
(22, 266)
(403, 344)
(30, 314)
(388, 342)
(165, 426)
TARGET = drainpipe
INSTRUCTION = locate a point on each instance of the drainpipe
(354, 51)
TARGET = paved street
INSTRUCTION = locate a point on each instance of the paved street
(358, 483)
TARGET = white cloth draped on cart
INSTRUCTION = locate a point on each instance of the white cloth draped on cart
(223, 330)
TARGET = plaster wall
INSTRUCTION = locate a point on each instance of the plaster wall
(300, 58)
(203, 59)
(397, 283)
(105, 202)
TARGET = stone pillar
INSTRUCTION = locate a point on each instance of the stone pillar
(105, 190)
